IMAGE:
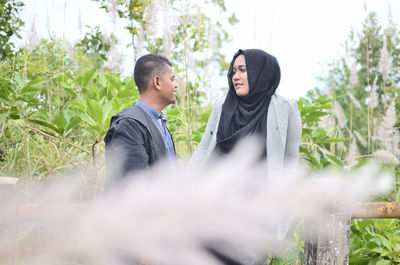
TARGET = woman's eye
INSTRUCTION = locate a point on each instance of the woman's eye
(243, 70)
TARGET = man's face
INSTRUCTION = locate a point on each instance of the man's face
(168, 86)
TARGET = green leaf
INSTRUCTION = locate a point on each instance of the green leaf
(20, 80)
(14, 116)
(35, 81)
(95, 110)
(30, 89)
(384, 241)
(60, 122)
(71, 125)
(334, 159)
(383, 262)
(88, 76)
(85, 117)
(334, 140)
(43, 123)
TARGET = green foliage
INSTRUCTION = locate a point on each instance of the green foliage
(10, 25)
(317, 141)
(94, 48)
(65, 130)
(375, 242)
(366, 124)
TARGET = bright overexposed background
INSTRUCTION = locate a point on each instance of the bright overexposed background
(304, 35)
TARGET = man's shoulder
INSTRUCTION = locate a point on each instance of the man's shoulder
(130, 118)
(131, 113)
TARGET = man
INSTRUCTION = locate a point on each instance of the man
(138, 136)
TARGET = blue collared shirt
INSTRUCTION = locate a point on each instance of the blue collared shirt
(160, 120)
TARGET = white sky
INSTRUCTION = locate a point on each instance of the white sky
(303, 35)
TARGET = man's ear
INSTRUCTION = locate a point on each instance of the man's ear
(156, 82)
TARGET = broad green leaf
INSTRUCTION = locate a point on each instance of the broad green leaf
(71, 125)
(88, 76)
(19, 80)
(384, 241)
(60, 122)
(85, 117)
(43, 123)
(95, 110)
(35, 81)
(30, 89)
(384, 262)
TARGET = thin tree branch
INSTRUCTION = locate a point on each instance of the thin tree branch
(56, 138)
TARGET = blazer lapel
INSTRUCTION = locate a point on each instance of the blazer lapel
(282, 114)
(277, 122)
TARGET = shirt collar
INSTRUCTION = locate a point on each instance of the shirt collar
(154, 113)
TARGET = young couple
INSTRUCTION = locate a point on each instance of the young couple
(138, 136)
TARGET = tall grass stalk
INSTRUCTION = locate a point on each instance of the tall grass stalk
(368, 81)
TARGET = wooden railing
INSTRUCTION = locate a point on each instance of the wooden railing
(329, 242)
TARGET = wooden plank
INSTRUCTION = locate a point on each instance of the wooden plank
(8, 220)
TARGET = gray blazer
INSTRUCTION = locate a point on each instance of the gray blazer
(283, 132)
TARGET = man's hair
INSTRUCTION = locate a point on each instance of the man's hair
(147, 67)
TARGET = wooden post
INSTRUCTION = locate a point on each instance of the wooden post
(8, 220)
(328, 242)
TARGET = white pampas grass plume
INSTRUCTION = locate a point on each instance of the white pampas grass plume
(70, 50)
(352, 155)
(384, 101)
(353, 77)
(373, 98)
(354, 100)
(384, 63)
(33, 37)
(386, 133)
(113, 10)
(361, 139)
(186, 15)
(169, 27)
(175, 215)
(340, 116)
(151, 19)
(327, 121)
(139, 45)
(389, 120)
(391, 26)
(212, 38)
(385, 157)
(80, 21)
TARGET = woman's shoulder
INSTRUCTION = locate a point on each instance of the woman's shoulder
(283, 100)
(218, 102)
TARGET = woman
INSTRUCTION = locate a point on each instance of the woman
(252, 108)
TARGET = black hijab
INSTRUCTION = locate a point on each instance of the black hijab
(247, 115)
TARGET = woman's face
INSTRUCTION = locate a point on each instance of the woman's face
(239, 76)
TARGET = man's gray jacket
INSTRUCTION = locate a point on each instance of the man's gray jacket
(133, 142)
